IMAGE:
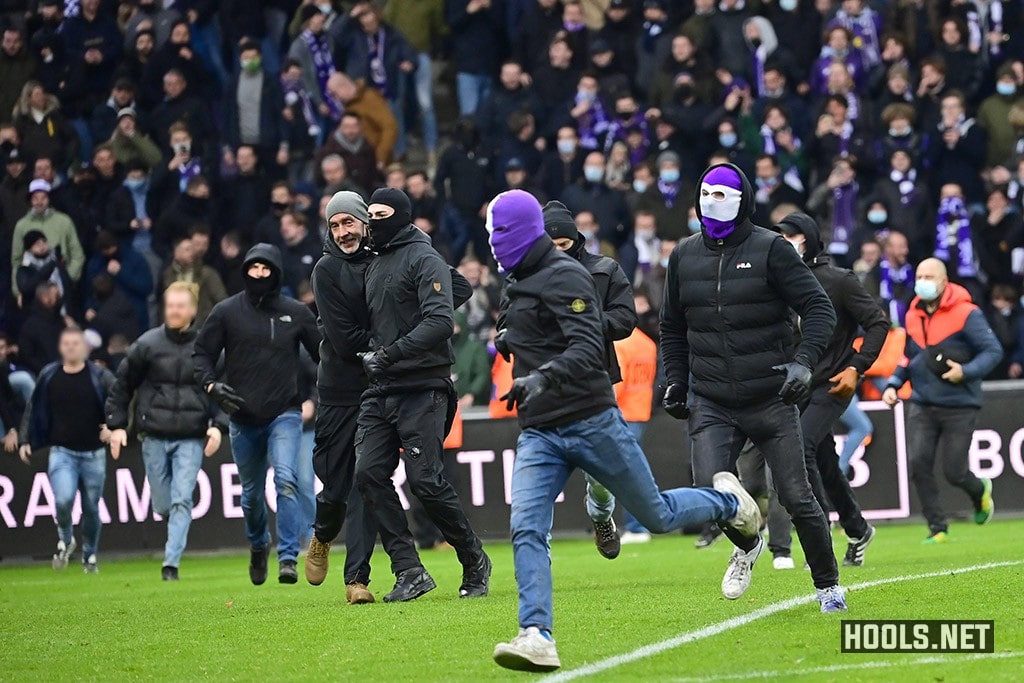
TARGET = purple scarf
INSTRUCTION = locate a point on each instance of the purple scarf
(866, 30)
(954, 230)
(377, 70)
(187, 171)
(889, 278)
(592, 125)
(906, 184)
(995, 16)
(843, 218)
(669, 191)
(323, 62)
(294, 93)
(618, 131)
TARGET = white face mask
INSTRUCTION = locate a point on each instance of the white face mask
(720, 202)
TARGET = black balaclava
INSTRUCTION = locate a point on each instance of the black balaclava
(559, 223)
(259, 287)
(383, 230)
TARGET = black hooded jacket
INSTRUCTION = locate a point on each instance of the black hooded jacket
(158, 373)
(725, 321)
(260, 337)
(855, 308)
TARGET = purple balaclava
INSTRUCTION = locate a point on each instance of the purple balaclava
(514, 224)
(721, 195)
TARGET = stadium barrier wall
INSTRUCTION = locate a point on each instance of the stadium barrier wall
(484, 465)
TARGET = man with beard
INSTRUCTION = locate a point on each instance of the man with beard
(726, 340)
(259, 332)
(411, 400)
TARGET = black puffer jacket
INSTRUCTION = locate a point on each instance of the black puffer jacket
(158, 373)
(615, 297)
(725, 321)
(854, 307)
(554, 324)
(260, 339)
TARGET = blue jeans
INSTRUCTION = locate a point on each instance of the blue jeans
(172, 467)
(472, 90)
(254, 448)
(69, 472)
(601, 502)
(860, 428)
(307, 485)
(603, 447)
(424, 84)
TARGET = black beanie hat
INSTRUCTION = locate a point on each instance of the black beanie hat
(558, 221)
(396, 199)
(31, 237)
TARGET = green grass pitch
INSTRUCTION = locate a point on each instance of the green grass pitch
(125, 624)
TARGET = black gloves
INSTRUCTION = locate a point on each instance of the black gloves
(225, 397)
(501, 346)
(797, 385)
(376, 362)
(675, 401)
(524, 390)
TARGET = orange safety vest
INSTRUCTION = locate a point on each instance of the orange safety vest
(888, 359)
(454, 438)
(638, 360)
(501, 384)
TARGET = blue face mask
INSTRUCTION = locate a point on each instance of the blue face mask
(669, 175)
(640, 186)
(727, 139)
(694, 225)
(927, 290)
(877, 217)
(134, 183)
(765, 183)
(1005, 89)
(664, 263)
(787, 5)
(593, 174)
(566, 147)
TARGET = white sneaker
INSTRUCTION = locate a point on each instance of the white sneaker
(632, 538)
(748, 516)
(63, 554)
(529, 651)
(737, 576)
(783, 562)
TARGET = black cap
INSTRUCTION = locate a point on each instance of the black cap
(558, 221)
(618, 4)
(514, 164)
(50, 3)
(308, 12)
(654, 4)
(12, 155)
(600, 46)
(31, 237)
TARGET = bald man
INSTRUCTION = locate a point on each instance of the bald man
(950, 349)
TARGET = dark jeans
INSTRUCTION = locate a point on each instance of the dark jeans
(944, 434)
(334, 461)
(718, 434)
(425, 532)
(414, 423)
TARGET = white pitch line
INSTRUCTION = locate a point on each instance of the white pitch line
(744, 619)
(832, 668)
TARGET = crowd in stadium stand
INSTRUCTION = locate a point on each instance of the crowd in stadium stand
(151, 141)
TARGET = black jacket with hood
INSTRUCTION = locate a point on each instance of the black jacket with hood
(725, 321)
(554, 323)
(339, 286)
(260, 337)
(855, 308)
(158, 373)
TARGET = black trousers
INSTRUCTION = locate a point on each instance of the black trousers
(757, 480)
(414, 423)
(334, 462)
(944, 434)
(425, 532)
(718, 434)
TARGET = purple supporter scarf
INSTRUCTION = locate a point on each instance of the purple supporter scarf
(670, 191)
(323, 62)
(995, 15)
(592, 124)
(886, 289)
(618, 131)
(187, 171)
(843, 218)
(291, 87)
(376, 68)
(906, 184)
(954, 229)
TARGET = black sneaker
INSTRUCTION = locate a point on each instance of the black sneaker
(169, 573)
(856, 548)
(411, 584)
(258, 565)
(606, 538)
(708, 537)
(287, 573)
(476, 578)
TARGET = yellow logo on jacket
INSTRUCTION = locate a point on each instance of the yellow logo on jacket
(437, 286)
(578, 306)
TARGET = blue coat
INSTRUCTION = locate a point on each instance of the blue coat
(38, 420)
(135, 279)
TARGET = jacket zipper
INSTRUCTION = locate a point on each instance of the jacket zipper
(271, 328)
(721, 263)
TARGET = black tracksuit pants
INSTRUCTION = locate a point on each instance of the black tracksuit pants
(718, 434)
(334, 462)
(413, 422)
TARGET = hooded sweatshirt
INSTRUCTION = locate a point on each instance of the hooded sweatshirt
(259, 331)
